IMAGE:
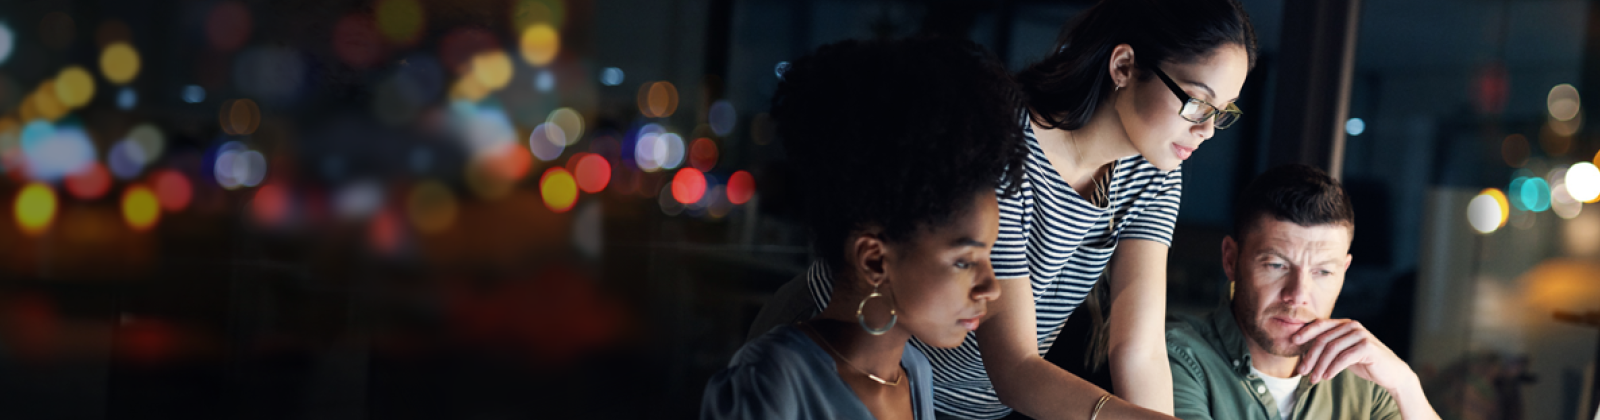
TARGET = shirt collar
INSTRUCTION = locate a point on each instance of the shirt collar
(1228, 339)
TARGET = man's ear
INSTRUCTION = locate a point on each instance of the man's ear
(1230, 257)
(868, 255)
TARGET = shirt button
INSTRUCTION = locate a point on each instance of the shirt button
(1235, 362)
(1261, 389)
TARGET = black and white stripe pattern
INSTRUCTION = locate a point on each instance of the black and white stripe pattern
(1062, 243)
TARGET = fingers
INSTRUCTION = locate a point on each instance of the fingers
(1315, 328)
(1318, 349)
(1351, 355)
(1326, 365)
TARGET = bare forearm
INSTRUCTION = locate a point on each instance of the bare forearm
(1413, 404)
(1144, 377)
(1044, 391)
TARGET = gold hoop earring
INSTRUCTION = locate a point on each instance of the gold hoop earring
(862, 318)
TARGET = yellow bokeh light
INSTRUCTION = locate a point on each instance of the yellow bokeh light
(468, 88)
(540, 44)
(571, 124)
(559, 190)
(239, 117)
(658, 99)
(119, 62)
(529, 12)
(74, 87)
(432, 207)
(35, 208)
(400, 21)
(46, 104)
(140, 208)
(492, 69)
(1488, 211)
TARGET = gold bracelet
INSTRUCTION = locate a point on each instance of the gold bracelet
(1098, 404)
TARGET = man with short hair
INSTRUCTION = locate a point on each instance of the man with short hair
(1271, 352)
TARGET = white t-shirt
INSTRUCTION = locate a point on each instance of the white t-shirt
(1282, 390)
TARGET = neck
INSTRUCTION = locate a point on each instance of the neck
(1097, 143)
(1273, 365)
(876, 354)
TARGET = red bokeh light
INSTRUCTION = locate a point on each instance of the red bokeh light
(741, 186)
(89, 183)
(593, 172)
(271, 205)
(703, 154)
(688, 185)
(173, 190)
(383, 233)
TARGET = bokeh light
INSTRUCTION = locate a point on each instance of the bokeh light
(1355, 126)
(74, 87)
(237, 166)
(1562, 204)
(358, 200)
(46, 102)
(89, 183)
(140, 207)
(593, 172)
(672, 152)
(270, 206)
(722, 117)
(669, 205)
(239, 117)
(152, 142)
(544, 81)
(540, 43)
(194, 94)
(1534, 194)
(35, 208)
(571, 124)
(173, 189)
(741, 186)
(688, 186)
(1514, 149)
(542, 142)
(492, 69)
(529, 12)
(658, 99)
(458, 47)
(356, 41)
(1563, 102)
(228, 26)
(119, 62)
(780, 69)
(400, 21)
(703, 154)
(1488, 211)
(8, 42)
(432, 207)
(559, 189)
(126, 159)
(127, 98)
(1583, 182)
(53, 152)
(612, 76)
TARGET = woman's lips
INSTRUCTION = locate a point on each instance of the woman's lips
(971, 324)
(1182, 152)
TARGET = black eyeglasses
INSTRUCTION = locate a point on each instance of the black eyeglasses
(1196, 110)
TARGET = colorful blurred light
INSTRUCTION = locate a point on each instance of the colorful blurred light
(35, 208)
(400, 21)
(540, 43)
(237, 166)
(53, 152)
(46, 102)
(529, 12)
(270, 207)
(432, 207)
(612, 76)
(194, 94)
(1534, 194)
(1488, 211)
(593, 173)
(658, 99)
(8, 42)
(127, 98)
(172, 188)
(741, 186)
(780, 69)
(1563, 102)
(703, 154)
(1562, 204)
(673, 155)
(559, 190)
(688, 186)
(119, 62)
(571, 124)
(228, 26)
(358, 200)
(89, 183)
(152, 142)
(140, 207)
(1355, 126)
(461, 44)
(74, 87)
(547, 142)
(544, 81)
(239, 117)
(1583, 182)
(492, 69)
(722, 117)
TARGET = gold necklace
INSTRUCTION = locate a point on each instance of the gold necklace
(813, 331)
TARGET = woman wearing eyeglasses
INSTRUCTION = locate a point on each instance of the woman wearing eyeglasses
(1133, 89)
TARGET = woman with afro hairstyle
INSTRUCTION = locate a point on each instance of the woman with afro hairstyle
(904, 148)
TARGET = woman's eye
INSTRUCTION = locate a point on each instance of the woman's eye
(1275, 266)
(963, 265)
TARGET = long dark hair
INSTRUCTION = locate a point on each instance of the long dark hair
(1065, 88)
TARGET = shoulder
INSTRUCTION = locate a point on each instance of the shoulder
(763, 380)
(1184, 336)
(1139, 173)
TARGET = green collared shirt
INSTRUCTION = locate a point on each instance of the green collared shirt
(1211, 379)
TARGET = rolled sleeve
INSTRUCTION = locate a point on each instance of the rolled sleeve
(1158, 216)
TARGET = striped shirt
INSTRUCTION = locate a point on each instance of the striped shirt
(1062, 243)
